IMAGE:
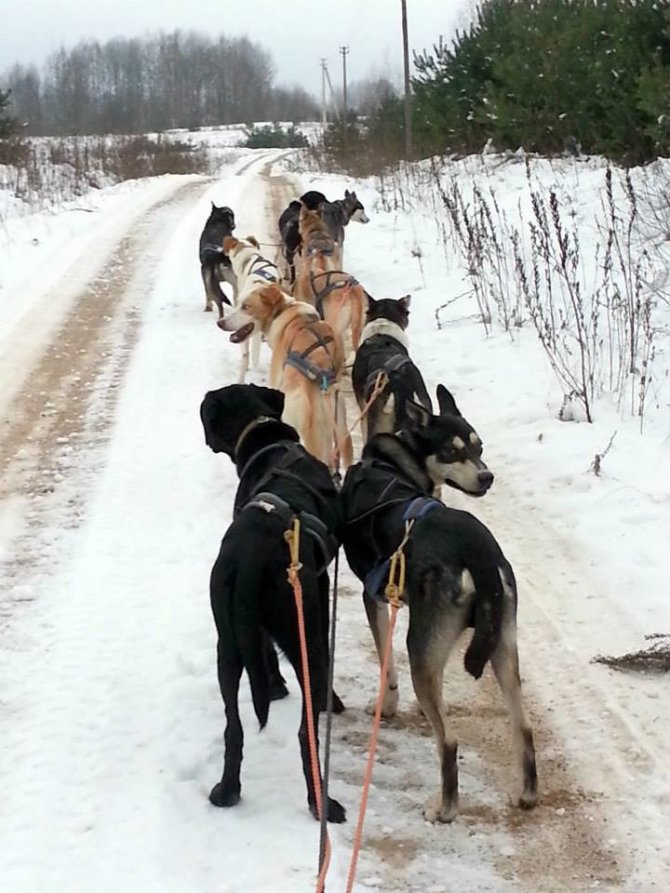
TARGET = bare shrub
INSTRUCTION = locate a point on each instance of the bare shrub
(653, 659)
(51, 170)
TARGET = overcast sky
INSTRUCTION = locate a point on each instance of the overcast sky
(297, 32)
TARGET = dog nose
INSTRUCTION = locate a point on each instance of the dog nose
(485, 478)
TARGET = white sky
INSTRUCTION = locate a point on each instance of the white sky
(297, 32)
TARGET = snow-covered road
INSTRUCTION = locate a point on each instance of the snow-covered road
(111, 513)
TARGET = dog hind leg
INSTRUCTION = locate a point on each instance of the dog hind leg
(429, 644)
(207, 277)
(317, 659)
(505, 663)
(378, 618)
(227, 791)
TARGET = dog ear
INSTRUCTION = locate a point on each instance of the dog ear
(417, 415)
(209, 409)
(371, 301)
(229, 242)
(253, 241)
(273, 399)
(446, 402)
(271, 295)
(214, 208)
(346, 193)
(405, 301)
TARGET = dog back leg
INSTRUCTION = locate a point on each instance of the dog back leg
(430, 639)
(207, 279)
(505, 663)
(343, 438)
(317, 659)
(378, 618)
(227, 791)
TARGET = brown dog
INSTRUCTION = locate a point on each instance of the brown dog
(306, 364)
(338, 297)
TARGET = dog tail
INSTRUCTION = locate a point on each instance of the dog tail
(488, 617)
(249, 635)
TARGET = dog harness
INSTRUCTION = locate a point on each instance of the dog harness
(375, 579)
(263, 267)
(391, 366)
(320, 246)
(324, 540)
(301, 361)
(348, 282)
(286, 468)
(370, 488)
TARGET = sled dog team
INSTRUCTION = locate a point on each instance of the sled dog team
(286, 441)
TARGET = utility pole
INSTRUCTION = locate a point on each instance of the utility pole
(408, 92)
(344, 51)
(324, 75)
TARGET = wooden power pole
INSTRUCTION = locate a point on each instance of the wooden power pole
(408, 91)
(344, 51)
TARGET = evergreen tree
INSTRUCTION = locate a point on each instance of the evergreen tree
(8, 124)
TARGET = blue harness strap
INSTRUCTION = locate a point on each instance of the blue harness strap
(325, 377)
(375, 579)
(261, 267)
(300, 361)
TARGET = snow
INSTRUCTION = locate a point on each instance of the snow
(112, 719)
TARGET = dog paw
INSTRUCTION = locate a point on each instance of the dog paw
(208, 309)
(338, 704)
(438, 811)
(336, 812)
(278, 690)
(224, 795)
(528, 800)
(389, 706)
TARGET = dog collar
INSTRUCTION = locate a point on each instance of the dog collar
(261, 420)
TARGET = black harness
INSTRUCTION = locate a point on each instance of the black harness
(371, 488)
(301, 361)
(290, 455)
(391, 366)
(321, 294)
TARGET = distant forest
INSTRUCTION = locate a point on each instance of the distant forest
(152, 84)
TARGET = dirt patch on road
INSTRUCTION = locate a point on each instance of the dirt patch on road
(66, 404)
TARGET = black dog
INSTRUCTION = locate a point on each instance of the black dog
(384, 349)
(456, 574)
(250, 594)
(336, 215)
(215, 266)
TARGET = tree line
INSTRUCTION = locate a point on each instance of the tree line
(152, 84)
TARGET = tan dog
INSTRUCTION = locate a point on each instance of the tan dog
(307, 361)
(338, 297)
(251, 270)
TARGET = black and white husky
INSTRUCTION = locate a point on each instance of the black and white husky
(456, 574)
(384, 348)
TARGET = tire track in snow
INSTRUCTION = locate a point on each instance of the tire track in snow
(63, 413)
